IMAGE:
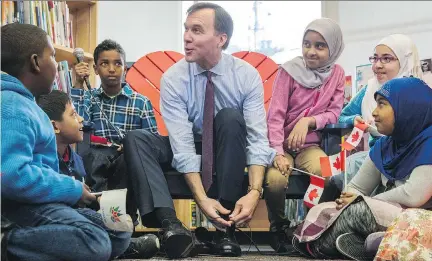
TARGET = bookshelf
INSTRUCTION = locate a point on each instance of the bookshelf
(83, 17)
(78, 5)
(66, 54)
(259, 222)
(69, 24)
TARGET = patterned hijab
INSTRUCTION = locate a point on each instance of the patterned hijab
(314, 78)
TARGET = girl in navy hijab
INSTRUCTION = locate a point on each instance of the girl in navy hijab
(400, 163)
(409, 143)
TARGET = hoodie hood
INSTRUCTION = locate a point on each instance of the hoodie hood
(10, 83)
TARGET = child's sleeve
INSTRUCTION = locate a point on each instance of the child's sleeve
(22, 179)
(81, 100)
(334, 107)
(353, 108)
(278, 109)
(148, 120)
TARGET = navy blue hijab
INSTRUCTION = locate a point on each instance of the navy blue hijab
(410, 144)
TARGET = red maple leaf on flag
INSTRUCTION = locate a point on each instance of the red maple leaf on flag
(337, 164)
(313, 194)
(355, 136)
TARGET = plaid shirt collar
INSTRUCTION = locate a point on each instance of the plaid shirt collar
(126, 91)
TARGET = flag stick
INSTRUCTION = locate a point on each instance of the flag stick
(370, 126)
(305, 172)
(344, 160)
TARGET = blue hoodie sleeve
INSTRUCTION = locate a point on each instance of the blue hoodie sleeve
(353, 108)
(23, 178)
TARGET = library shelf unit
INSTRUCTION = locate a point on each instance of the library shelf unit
(83, 16)
(259, 222)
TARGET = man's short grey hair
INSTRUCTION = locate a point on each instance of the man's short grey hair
(223, 21)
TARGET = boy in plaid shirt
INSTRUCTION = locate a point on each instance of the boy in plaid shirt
(126, 109)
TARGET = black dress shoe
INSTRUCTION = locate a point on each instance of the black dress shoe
(203, 242)
(176, 240)
(226, 243)
(281, 238)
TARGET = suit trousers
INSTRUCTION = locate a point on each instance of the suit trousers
(148, 156)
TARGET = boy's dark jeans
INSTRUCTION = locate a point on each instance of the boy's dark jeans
(106, 170)
(58, 232)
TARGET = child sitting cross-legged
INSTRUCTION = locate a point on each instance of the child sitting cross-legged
(68, 126)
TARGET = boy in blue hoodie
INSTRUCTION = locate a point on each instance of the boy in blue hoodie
(34, 195)
(67, 125)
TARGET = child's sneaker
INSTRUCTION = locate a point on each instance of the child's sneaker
(144, 247)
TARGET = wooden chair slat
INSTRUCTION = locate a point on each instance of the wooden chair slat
(161, 60)
(150, 71)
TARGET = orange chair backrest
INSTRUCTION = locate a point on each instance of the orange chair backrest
(145, 74)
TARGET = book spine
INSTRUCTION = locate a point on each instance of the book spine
(26, 12)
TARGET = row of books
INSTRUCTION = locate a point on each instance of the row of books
(198, 219)
(64, 80)
(295, 211)
(51, 16)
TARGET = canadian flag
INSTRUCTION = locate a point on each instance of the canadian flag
(333, 165)
(355, 137)
(314, 192)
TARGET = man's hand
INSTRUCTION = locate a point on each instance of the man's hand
(345, 199)
(211, 209)
(297, 137)
(245, 208)
(86, 197)
(282, 164)
(81, 70)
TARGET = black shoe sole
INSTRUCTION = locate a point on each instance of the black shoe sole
(351, 245)
(230, 253)
(301, 249)
(178, 246)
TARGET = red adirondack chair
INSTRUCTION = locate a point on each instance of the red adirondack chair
(144, 76)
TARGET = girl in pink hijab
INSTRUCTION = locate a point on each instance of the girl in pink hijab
(307, 95)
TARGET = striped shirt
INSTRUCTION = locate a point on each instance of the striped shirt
(127, 111)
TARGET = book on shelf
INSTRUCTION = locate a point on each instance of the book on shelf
(295, 211)
(198, 219)
(63, 81)
(52, 16)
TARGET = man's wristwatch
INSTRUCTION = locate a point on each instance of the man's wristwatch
(259, 189)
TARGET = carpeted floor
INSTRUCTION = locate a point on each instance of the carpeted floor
(251, 257)
(248, 254)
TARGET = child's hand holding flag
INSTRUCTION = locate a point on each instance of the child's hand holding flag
(355, 137)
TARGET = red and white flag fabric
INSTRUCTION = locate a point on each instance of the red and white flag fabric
(333, 165)
(355, 137)
(314, 192)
